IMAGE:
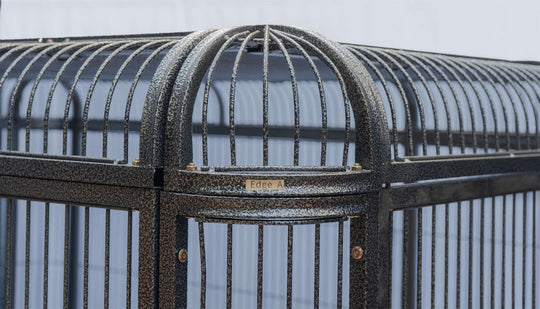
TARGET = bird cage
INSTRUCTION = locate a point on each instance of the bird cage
(264, 167)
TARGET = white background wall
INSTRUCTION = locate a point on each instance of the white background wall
(488, 28)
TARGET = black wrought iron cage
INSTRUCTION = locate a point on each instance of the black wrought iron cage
(268, 167)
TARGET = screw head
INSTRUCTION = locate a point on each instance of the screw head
(136, 162)
(357, 252)
(191, 167)
(182, 255)
(356, 167)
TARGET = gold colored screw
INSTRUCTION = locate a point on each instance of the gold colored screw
(182, 255)
(136, 162)
(191, 167)
(357, 253)
(356, 167)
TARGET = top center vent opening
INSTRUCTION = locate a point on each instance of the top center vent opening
(271, 98)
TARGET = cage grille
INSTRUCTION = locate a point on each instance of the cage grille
(248, 104)
(54, 256)
(76, 98)
(440, 105)
(468, 254)
(247, 264)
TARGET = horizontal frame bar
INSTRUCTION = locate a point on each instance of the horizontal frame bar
(75, 169)
(439, 192)
(302, 183)
(265, 208)
(74, 193)
(447, 167)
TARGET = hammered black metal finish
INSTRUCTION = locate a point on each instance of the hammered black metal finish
(443, 145)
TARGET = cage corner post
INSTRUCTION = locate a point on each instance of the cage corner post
(149, 254)
(173, 257)
(368, 255)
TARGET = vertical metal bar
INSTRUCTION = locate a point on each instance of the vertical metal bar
(458, 275)
(107, 257)
(229, 265)
(470, 277)
(358, 290)
(524, 257)
(514, 251)
(27, 257)
(296, 103)
(493, 218)
(206, 95)
(405, 286)
(316, 266)
(446, 240)
(67, 254)
(9, 253)
(232, 94)
(46, 257)
(181, 227)
(265, 94)
(419, 259)
(86, 255)
(289, 265)
(129, 257)
(534, 250)
(482, 266)
(202, 249)
(503, 275)
(340, 265)
(260, 266)
(433, 243)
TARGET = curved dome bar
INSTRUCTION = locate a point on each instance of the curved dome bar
(157, 99)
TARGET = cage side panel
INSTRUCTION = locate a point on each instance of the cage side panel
(473, 253)
(64, 255)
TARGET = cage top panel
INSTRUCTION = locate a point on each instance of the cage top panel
(77, 97)
(443, 105)
(258, 96)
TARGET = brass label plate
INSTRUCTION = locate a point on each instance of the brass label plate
(264, 184)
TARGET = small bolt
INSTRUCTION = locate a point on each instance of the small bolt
(191, 167)
(136, 162)
(357, 253)
(356, 167)
(182, 255)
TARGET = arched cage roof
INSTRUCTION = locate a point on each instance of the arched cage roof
(259, 97)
